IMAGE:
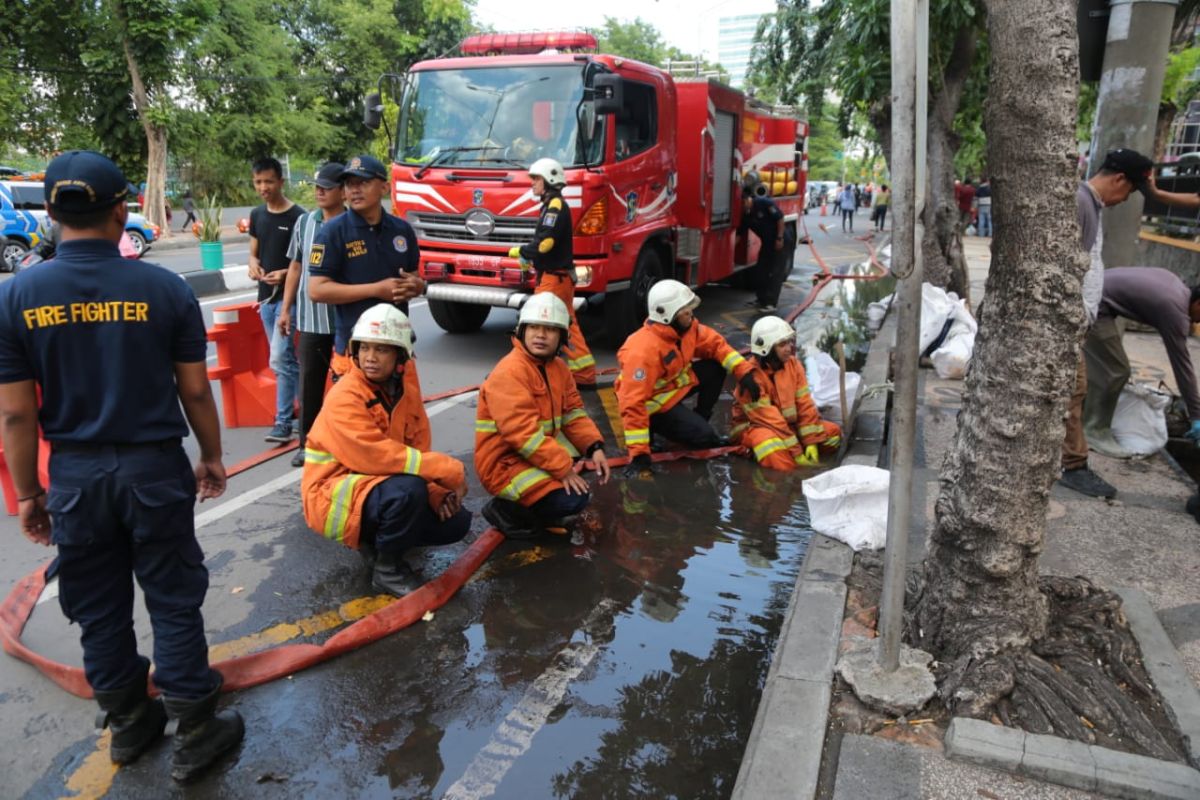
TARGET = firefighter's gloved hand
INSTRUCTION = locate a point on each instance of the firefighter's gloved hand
(810, 458)
(514, 252)
(1193, 435)
(640, 467)
(750, 386)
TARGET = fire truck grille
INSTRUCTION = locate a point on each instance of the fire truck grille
(434, 227)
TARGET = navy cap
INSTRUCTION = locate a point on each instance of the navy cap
(82, 181)
(1132, 164)
(365, 166)
(329, 176)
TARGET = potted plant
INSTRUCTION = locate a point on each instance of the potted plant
(208, 231)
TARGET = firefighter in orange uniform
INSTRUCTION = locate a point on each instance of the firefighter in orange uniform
(370, 479)
(658, 372)
(781, 424)
(531, 425)
(551, 255)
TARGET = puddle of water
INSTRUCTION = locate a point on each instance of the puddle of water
(840, 313)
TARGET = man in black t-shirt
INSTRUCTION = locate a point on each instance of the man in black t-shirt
(761, 215)
(270, 235)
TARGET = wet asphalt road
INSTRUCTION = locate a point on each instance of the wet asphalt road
(627, 664)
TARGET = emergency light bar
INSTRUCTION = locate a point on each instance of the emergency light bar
(517, 44)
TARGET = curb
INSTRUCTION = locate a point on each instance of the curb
(784, 751)
(1069, 763)
(181, 242)
(205, 283)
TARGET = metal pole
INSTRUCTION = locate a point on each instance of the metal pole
(1135, 63)
(910, 47)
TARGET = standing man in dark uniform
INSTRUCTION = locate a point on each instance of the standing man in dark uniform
(115, 347)
(363, 256)
(761, 215)
(552, 257)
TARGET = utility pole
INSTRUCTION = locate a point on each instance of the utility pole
(910, 89)
(1135, 62)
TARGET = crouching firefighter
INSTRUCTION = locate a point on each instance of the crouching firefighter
(780, 423)
(530, 428)
(551, 255)
(673, 357)
(370, 479)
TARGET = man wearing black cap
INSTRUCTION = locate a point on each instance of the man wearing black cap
(1122, 172)
(364, 256)
(315, 321)
(115, 347)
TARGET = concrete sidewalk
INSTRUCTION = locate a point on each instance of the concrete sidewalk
(1144, 539)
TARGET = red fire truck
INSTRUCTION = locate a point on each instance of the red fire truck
(654, 164)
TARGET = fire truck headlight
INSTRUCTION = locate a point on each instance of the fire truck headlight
(583, 276)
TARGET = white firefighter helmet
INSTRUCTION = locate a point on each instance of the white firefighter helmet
(548, 170)
(384, 324)
(667, 298)
(768, 332)
(545, 309)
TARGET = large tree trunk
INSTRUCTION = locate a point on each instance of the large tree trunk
(941, 247)
(980, 607)
(155, 208)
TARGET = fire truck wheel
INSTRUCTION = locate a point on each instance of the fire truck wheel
(458, 317)
(624, 312)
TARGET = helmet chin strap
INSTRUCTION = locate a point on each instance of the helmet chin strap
(681, 329)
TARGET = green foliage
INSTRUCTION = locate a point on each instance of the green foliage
(824, 145)
(1178, 86)
(641, 41)
(209, 214)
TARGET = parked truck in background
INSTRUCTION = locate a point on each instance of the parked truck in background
(654, 166)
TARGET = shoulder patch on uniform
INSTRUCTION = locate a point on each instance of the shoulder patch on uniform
(639, 374)
(550, 219)
(401, 244)
(555, 203)
(316, 255)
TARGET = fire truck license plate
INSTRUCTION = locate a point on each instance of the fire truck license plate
(483, 262)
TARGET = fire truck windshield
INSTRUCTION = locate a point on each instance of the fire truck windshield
(495, 118)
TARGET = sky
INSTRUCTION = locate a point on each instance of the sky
(690, 26)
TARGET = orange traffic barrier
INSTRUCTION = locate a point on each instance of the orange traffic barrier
(247, 382)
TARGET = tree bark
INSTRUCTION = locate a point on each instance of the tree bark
(154, 209)
(980, 607)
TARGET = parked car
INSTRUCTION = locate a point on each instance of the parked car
(30, 198)
(9, 172)
(18, 224)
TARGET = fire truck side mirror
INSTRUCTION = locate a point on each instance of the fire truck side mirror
(607, 94)
(373, 111)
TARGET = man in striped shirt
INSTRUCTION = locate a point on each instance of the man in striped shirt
(313, 320)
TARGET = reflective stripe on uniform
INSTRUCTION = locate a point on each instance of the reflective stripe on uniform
(583, 362)
(573, 415)
(546, 245)
(655, 403)
(339, 508)
(738, 430)
(808, 430)
(531, 445)
(766, 448)
(486, 426)
(317, 456)
(762, 402)
(732, 360)
(412, 462)
(803, 392)
(525, 480)
(562, 439)
(637, 436)
(789, 412)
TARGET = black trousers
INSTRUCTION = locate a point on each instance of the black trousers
(772, 270)
(685, 426)
(314, 351)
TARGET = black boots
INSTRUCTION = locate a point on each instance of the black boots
(510, 518)
(203, 735)
(393, 576)
(136, 721)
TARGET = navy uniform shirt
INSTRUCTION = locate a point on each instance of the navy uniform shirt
(101, 334)
(349, 250)
(551, 249)
(763, 219)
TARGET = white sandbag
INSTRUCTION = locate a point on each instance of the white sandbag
(938, 306)
(1140, 422)
(850, 504)
(822, 372)
(877, 311)
(951, 360)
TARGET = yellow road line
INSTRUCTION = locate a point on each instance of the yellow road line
(93, 778)
(309, 626)
(608, 397)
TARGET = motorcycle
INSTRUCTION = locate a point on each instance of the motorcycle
(44, 251)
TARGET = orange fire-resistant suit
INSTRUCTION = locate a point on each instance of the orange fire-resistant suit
(784, 420)
(356, 443)
(529, 427)
(656, 373)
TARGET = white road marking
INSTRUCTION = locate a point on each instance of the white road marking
(514, 736)
(228, 299)
(249, 497)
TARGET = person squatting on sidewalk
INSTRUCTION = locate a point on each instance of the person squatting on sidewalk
(371, 481)
(122, 493)
(781, 426)
(271, 227)
(531, 426)
(670, 358)
(552, 258)
(776, 243)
